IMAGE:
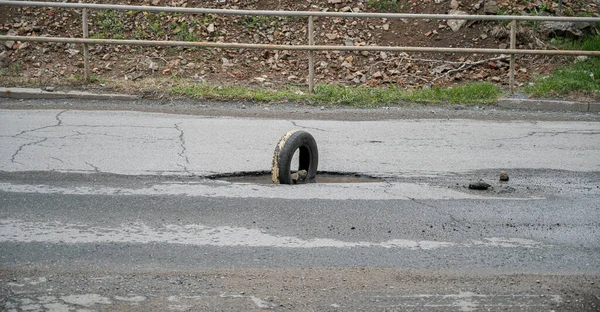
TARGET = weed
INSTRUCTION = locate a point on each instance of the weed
(140, 33)
(79, 78)
(110, 25)
(184, 32)
(588, 43)
(98, 36)
(209, 19)
(258, 22)
(481, 93)
(568, 12)
(544, 7)
(384, 5)
(94, 79)
(157, 29)
(228, 92)
(16, 67)
(580, 77)
(585, 14)
(151, 27)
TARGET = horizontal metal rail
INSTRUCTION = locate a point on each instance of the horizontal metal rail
(298, 13)
(294, 47)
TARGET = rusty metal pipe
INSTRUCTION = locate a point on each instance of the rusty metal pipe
(311, 55)
(297, 13)
(513, 45)
(86, 51)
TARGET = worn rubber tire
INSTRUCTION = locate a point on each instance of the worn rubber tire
(284, 152)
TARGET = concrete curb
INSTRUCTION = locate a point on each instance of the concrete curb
(36, 93)
(549, 105)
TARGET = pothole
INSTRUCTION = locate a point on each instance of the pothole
(264, 177)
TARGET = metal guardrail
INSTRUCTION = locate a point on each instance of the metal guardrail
(311, 47)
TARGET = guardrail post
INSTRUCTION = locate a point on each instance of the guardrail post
(86, 52)
(560, 7)
(311, 56)
(513, 45)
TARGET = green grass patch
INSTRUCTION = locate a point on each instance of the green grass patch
(184, 31)
(588, 43)
(109, 23)
(581, 77)
(385, 5)
(79, 78)
(253, 23)
(233, 92)
(474, 93)
(16, 67)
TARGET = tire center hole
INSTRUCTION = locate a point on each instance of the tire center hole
(295, 161)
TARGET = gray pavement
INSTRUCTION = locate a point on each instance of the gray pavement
(136, 143)
(112, 210)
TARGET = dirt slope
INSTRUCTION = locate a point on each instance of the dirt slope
(49, 62)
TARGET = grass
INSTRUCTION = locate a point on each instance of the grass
(16, 67)
(589, 43)
(324, 94)
(580, 78)
(328, 95)
(252, 23)
(13, 69)
(110, 25)
(184, 30)
(79, 78)
(384, 5)
(232, 92)
(474, 93)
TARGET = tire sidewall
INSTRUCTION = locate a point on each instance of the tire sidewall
(284, 152)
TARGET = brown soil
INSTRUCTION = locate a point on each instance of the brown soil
(48, 63)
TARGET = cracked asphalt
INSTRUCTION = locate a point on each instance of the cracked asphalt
(79, 141)
(109, 206)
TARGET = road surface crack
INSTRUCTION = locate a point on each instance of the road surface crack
(182, 152)
(95, 168)
(120, 126)
(453, 220)
(20, 149)
(58, 159)
(549, 134)
(14, 156)
(58, 124)
(308, 128)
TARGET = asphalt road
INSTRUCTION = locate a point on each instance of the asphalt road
(114, 210)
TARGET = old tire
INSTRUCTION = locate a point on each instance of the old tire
(284, 151)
